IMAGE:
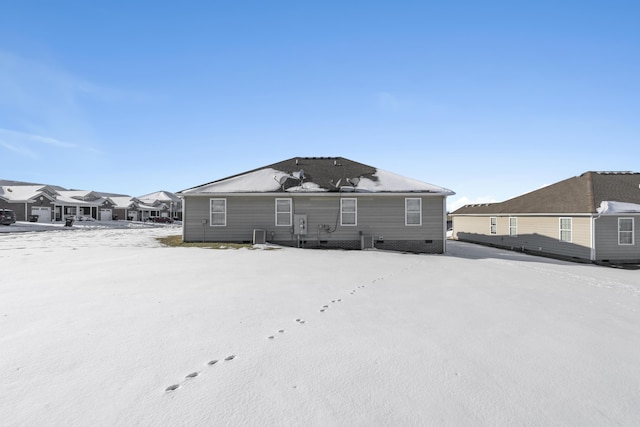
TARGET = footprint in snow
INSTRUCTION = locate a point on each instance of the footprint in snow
(300, 321)
(270, 337)
(233, 356)
(212, 362)
(192, 375)
(282, 331)
(172, 387)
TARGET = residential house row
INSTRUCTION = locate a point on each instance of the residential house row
(48, 203)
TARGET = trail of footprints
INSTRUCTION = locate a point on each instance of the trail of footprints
(300, 321)
(196, 373)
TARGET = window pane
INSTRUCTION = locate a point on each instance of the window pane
(218, 212)
(413, 218)
(217, 205)
(625, 224)
(413, 205)
(348, 211)
(348, 205)
(283, 206)
(413, 211)
(283, 212)
(626, 238)
(217, 219)
(348, 218)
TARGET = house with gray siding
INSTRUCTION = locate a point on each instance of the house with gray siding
(591, 217)
(318, 202)
(29, 202)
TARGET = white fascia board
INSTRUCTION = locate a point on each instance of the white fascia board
(319, 194)
(587, 215)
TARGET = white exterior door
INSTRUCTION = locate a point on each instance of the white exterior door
(105, 215)
(44, 214)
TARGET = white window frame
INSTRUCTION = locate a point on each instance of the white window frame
(211, 213)
(632, 232)
(493, 225)
(513, 226)
(566, 230)
(282, 214)
(343, 212)
(407, 212)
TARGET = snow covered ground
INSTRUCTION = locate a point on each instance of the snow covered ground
(97, 323)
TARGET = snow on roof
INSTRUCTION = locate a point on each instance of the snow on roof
(123, 201)
(310, 187)
(163, 196)
(65, 199)
(77, 194)
(612, 208)
(263, 180)
(22, 193)
(391, 182)
(145, 207)
(271, 180)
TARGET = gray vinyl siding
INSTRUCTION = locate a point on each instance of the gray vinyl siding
(606, 238)
(539, 234)
(382, 218)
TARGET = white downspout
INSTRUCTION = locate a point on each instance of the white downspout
(444, 225)
(593, 237)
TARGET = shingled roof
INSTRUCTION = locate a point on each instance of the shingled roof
(316, 175)
(580, 194)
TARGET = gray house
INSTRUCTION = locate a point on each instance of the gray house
(34, 202)
(319, 202)
(589, 217)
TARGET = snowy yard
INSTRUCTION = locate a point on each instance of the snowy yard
(104, 326)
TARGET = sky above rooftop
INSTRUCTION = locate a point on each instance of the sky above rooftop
(490, 99)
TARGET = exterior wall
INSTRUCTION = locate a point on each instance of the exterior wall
(381, 218)
(606, 238)
(536, 234)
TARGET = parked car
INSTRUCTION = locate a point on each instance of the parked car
(162, 219)
(7, 217)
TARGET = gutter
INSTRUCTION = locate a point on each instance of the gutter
(324, 194)
(593, 237)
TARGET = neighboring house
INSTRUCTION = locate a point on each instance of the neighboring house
(153, 211)
(169, 204)
(327, 202)
(83, 205)
(47, 203)
(125, 207)
(591, 217)
(29, 202)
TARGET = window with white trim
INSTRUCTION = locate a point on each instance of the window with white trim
(284, 212)
(513, 226)
(348, 212)
(625, 231)
(413, 211)
(218, 212)
(565, 229)
(493, 225)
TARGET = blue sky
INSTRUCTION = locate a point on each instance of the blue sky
(488, 98)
